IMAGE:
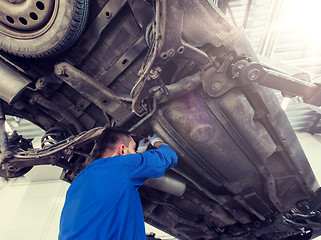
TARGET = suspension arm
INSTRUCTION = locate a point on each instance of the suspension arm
(57, 154)
(251, 72)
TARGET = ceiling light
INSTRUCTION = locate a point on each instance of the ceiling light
(8, 128)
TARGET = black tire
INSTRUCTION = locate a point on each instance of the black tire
(62, 27)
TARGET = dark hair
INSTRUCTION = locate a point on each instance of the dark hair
(110, 137)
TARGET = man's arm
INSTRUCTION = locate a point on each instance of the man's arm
(152, 163)
(157, 144)
(142, 145)
(155, 140)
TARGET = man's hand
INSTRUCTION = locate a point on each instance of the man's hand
(142, 146)
(155, 140)
(157, 144)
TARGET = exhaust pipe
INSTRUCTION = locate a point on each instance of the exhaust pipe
(12, 83)
(169, 183)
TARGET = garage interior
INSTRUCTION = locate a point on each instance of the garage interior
(284, 34)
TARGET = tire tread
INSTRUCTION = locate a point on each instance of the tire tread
(77, 23)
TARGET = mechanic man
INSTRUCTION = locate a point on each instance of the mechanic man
(103, 203)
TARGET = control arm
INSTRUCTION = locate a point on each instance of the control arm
(252, 72)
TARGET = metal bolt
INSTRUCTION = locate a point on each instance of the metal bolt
(32, 101)
(60, 71)
(108, 14)
(217, 85)
(180, 49)
(163, 55)
(12, 168)
(68, 151)
(253, 74)
(240, 66)
(19, 105)
(153, 74)
(171, 53)
(8, 154)
(236, 67)
(41, 83)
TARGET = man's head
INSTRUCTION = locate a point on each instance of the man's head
(116, 141)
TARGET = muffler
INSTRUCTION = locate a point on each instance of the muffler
(12, 83)
(169, 183)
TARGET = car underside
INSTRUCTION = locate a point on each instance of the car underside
(179, 68)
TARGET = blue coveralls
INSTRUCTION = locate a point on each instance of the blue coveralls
(103, 203)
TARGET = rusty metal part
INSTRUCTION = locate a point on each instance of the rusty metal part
(41, 100)
(53, 155)
(103, 97)
(149, 115)
(163, 129)
(92, 35)
(184, 86)
(167, 45)
(123, 62)
(254, 73)
(179, 88)
(68, 73)
(12, 83)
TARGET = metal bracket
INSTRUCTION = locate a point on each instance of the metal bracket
(167, 45)
(57, 154)
(107, 100)
(92, 35)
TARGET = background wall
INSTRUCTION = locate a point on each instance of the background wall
(30, 206)
(31, 210)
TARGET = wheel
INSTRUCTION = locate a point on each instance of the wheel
(40, 28)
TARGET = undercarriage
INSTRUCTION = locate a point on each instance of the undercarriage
(181, 69)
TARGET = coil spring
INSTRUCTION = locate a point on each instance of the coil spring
(53, 136)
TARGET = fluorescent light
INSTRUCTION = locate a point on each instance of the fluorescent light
(284, 103)
(8, 128)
